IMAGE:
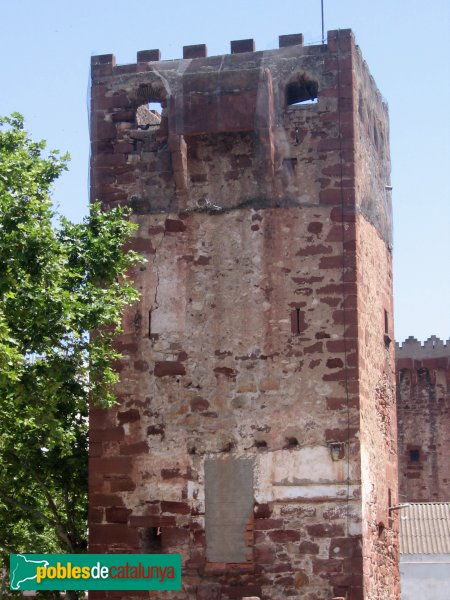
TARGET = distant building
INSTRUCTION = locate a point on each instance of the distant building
(425, 551)
(423, 409)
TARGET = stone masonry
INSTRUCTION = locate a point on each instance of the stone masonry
(423, 405)
(255, 432)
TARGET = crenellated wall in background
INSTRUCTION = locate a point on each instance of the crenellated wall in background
(423, 405)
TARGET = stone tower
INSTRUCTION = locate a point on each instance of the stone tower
(423, 405)
(256, 428)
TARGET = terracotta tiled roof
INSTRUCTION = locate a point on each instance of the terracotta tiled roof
(425, 528)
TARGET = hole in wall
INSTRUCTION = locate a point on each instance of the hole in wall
(380, 528)
(297, 321)
(291, 442)
(150, 539)
(149, 115)
(228, 447)
(261, 444)
(302, 91)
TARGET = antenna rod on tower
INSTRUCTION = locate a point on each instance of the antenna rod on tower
(323, 29)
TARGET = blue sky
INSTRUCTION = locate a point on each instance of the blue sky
(45, 50)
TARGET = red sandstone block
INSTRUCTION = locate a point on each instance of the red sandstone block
(152, 521)
(293, 39)
(331, 262)
(156, 430)
(125, 69)
(353, 593)
(325, 529)
(345, 317)
(338, 215)
(317, 347)
(340, 435)
(117, 514)
(122, 484)
(331, 196)
(99, 499)
(345, 547)
(327, 566)
(338, 234)
(99, 71)
(175, 507)
(101, 417)
(103, 59)
(313, 250)
(262, 511)
(195, 51)
(134, 449)
(199, 404)
(169, 368)
(230, 373)
(129, 416)
(116, 101)
(95, 448)
(174, 226)
(334, 363)
(148, 55)
(284, 535)
(174, 536)
(238, 46)
(193, 565)
(141, 365)
(353, 359)
(105, 146)
(267, 524)
(315, 227)
(333, 302)
(354, 564)
(103, 130)
(120, 465)
(109, 434)
(123, 147)
(307, 547)
(95, 515)
(113, 533)
(342, 375)
(264, 554)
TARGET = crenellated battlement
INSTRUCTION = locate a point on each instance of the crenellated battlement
(433, 347)
(201, 50)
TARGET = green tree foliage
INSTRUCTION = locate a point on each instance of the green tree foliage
(58, 281)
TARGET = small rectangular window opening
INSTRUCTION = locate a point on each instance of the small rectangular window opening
(296, 321)
(149, 323)
(414, 455)
(390, 512)
(386, 322)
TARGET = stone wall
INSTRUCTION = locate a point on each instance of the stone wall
(423, 383)
(257, 359)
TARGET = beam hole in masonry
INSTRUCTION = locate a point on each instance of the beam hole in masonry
(302, 91)
(150, 540)
(228, 447)
(261, 444)
(149, 115)
(290, 443)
